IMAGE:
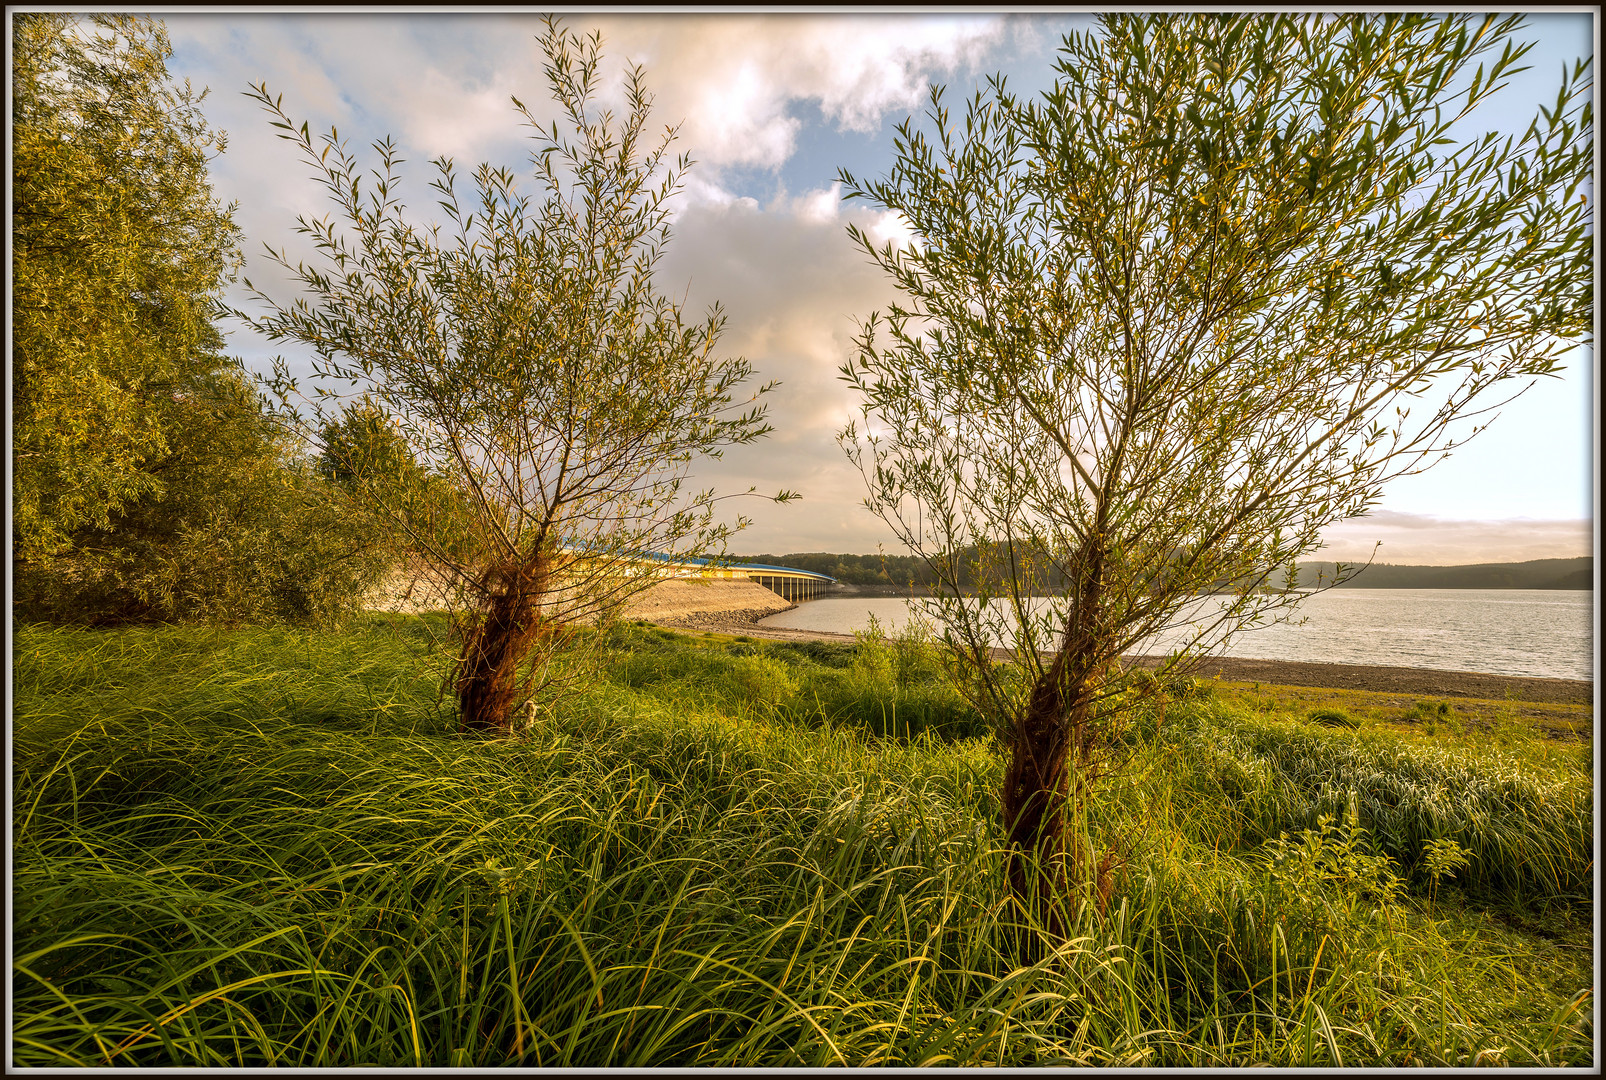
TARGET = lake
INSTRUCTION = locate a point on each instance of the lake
(1544, 633)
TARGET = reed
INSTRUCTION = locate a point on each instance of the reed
(268, 848)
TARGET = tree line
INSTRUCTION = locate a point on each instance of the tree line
(886, 571)
(1535, 574)
(875, 570)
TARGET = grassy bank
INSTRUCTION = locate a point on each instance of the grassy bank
(268, 847)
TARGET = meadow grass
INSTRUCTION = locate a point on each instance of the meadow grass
(269, 847)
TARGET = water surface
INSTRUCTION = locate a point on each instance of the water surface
(1545, 633)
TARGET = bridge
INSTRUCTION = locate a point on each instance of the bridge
(792, 584)
(789, 582)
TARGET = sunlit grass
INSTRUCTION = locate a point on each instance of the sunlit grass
(268, 847)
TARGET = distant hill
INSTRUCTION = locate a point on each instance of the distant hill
(1538, 574)
(895, 573)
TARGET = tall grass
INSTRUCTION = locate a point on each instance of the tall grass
(268, 848)
(1526, 819)
(882, 687)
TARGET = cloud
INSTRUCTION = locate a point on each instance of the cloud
(792, 285)
(818, 207)
(441, 85)
(1424, 540)
(735, 80)
(457, 120)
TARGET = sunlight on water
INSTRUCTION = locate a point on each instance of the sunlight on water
(1544, 633)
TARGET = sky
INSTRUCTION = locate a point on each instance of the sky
(771, 106)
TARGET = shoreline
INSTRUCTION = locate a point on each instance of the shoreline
(1375, 678)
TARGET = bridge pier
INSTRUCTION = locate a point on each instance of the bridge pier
(793, 588)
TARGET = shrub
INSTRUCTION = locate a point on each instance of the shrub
(832, 654)
(287, 550)
(1144, 683)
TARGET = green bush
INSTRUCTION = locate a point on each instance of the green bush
(1144, 683)
(243, 533)
(833, 654)
(759, 680)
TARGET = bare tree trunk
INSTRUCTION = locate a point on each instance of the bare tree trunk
(1051, 758)
(486, 680)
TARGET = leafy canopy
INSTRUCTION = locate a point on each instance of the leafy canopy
(118, 249)
(149, 483)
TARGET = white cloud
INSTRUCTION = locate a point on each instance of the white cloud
(699, 189)
(735, 80)
(889, 226)
(454, 120)
(817, 207)
(1424, 540)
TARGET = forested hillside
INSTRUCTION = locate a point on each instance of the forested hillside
(863, 570)
(1537, 574)
(899, 571)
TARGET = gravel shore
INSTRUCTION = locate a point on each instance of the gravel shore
(701, 604)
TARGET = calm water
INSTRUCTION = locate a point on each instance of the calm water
(1540, 632)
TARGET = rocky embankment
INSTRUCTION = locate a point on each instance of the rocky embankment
(408, 592)
(705, 605)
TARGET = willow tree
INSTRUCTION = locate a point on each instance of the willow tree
(1162, 324)
(521, 352)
